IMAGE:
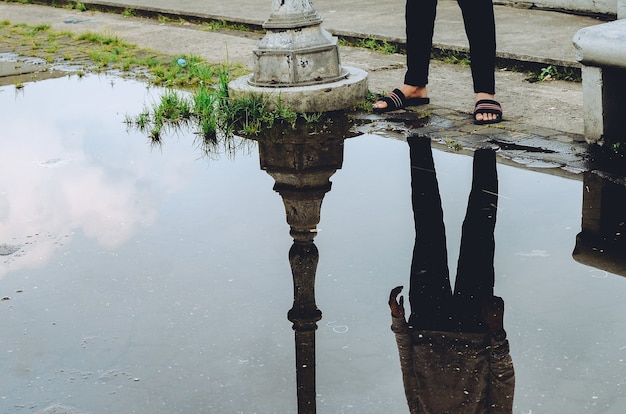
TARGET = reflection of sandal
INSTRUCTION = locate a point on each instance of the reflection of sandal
(396, 100)
(487, 106)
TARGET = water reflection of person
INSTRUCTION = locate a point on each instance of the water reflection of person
(454, 353)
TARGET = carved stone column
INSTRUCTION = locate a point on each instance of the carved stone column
(297, 61)
(296, 50)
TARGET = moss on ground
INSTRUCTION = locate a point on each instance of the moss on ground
(99, 53)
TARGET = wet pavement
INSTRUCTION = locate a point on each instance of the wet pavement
(534, 112)
(153, 280)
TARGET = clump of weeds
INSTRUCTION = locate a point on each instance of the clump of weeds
(453, 57)
(76, 5)
(552, 72)
(216, 25)
(212, 114)
(129, 13)
(382, 46)
(453, 144)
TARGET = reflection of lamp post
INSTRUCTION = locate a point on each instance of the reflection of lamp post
(302, 168)
(602, 241)
(304, 314)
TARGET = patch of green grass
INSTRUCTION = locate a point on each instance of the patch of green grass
(209, 111)
(312, 117)
(51, 47)
(215, 25)
(551, 72)
(453, 144)
(450, 56)
(173, 106)
(129, 13)
(103, 52)
(102, 39)
(164, 19)
(76, 5)
(366, 104)
(382, 46)
(37, 29)
(204, 103)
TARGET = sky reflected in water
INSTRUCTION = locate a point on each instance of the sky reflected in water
(152, 280)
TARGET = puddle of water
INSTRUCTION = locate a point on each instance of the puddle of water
(148, 280)
(14, 71)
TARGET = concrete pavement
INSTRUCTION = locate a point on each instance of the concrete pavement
(544, 115)
(523, 35)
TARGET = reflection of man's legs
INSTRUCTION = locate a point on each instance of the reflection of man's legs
(475, 272)
(430, 291)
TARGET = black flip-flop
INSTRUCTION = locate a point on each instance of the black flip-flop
(487, 106)
(396, 100)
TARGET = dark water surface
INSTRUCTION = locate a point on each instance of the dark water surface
(145, 280)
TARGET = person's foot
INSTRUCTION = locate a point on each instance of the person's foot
(485, 117)
(409, 91)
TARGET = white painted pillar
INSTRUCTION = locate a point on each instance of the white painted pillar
(621, 9)
(593, 111)
(601, 49)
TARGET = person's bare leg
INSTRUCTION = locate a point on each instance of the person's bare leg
(485, 116)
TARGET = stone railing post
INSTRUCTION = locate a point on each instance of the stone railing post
(621, 9)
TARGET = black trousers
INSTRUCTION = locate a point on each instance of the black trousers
(433, 304)
(480, 28)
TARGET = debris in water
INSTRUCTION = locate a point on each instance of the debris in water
(8, 249)
(76, 21)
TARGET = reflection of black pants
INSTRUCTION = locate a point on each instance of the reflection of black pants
(480, 28)
(433, 305)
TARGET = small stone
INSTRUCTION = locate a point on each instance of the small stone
(8, 249)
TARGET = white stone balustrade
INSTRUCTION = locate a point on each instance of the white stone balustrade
(601, 50)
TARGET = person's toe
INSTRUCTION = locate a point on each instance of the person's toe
(380, 104)
(485, 116)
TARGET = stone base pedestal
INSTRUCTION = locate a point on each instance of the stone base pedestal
(296, 57)
(326, 97)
